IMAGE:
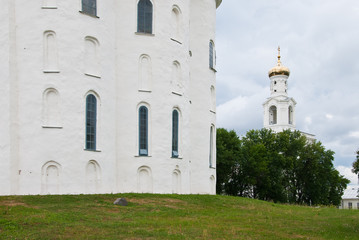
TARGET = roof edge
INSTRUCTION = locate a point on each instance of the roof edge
(218, 2)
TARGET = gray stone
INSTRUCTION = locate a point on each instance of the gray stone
(121, 202)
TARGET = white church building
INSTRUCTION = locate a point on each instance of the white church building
(279, 108)
(108, 96)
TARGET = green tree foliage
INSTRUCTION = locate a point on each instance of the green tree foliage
(279, 167)
(356, 164)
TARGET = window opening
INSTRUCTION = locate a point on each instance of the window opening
(143, 131)
(89, 7)
(91, 115)
(211, 147)
(144, 16)
(272, 115)
(175, 133)
(211, 55)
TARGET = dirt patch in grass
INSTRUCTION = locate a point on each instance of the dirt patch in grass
(13, 203)
(166, 202)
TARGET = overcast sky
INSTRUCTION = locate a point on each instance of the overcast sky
(319, 42)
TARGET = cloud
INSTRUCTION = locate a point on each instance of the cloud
(347, 173)
(320, 47)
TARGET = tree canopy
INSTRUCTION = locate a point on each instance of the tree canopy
(280, 167)
(356, 164)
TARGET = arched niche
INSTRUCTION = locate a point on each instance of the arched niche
(144, 180)
(51, 181)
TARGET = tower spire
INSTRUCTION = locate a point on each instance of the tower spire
(279, 63)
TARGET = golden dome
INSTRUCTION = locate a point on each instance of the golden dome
(279, 69)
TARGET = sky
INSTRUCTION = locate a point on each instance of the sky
(319, 43)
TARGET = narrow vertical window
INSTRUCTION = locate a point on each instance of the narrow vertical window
(144, 16)
(211, 55)
(175, 134)
(89, 7)
(211, 147)
(91, 118)
(143, 131)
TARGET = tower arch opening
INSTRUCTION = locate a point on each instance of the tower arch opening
(272, 115)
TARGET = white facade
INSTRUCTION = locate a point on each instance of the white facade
(279, 109)
(55, 54)
(350, 198)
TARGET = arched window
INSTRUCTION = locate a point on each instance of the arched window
(290, 115)
(175, 124)
(211, 55)
(272, 115)
(143, 131)
(89, 7)
(91, 119)
(211, 150)
(144, 16)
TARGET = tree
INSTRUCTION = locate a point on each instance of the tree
(279, 167)
(356, 164)
(228, 145)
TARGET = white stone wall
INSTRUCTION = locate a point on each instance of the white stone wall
(47, 48)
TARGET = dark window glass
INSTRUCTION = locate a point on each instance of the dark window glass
(89, 7)
(143, 131)
(211, 147)
(175, 133)
(210, 54)
(91, 115)
(144, 16)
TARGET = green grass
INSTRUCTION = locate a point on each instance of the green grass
(169, 217)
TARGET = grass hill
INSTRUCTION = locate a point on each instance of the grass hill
(150, 216)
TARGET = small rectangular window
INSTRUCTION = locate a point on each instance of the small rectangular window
(350, 205)
(89, 7)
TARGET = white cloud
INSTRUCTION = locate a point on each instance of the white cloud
(319, 46)
(347, 173)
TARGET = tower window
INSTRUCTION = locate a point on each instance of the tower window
(89, 7)
(143, 131)
(175, 133)
(91, 115)
(272, 115)
(144, 16)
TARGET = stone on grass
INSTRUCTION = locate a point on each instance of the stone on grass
(121, 202)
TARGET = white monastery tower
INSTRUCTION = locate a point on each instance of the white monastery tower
(279, 109)
(107, 96)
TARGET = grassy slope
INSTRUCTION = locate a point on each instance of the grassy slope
(168, 217)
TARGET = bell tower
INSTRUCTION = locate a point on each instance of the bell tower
(279, 109)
